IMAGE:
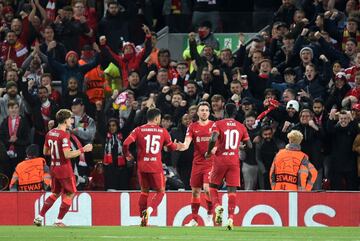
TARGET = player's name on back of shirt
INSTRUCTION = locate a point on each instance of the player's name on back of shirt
(203, 139)
(231, 123)
(53, 133)
(158, 129)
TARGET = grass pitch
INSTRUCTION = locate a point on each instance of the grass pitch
(32, 233)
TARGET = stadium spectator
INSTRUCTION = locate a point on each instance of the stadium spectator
(265, 151)
(12, 94)
(71, 68)
(312, 140)
(43, 111)
(116, 172)
(14, 131)
(343, 132)
(249, 168)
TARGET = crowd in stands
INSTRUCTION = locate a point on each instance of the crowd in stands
(300, 75)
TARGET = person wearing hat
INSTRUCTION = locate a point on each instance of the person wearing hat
(84, 126)
(292, 117)
(338, 97)
(206, 37)
(131, 58)
(8, 16)
(12, 91)
(32, 174)
(290, 81)
(71, 68)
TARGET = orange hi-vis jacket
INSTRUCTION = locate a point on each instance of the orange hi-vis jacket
(291, 170)
(30, 175)
(95, 82)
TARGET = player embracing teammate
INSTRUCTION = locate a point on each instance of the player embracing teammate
(199, 132)
(150, 139)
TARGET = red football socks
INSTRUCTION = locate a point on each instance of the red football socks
(143, 201)
(65, 206)
(156, 200)
(214, 196)
(209, 205)
(231, 203)
(195, 205)
(48, 204)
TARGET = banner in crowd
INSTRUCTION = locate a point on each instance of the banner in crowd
(226, 40)
(252, 209)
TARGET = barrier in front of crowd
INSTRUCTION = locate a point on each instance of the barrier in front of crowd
(253, 209)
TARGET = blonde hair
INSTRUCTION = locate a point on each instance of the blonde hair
(295, 137)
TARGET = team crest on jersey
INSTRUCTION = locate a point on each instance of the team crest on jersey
(198, 139)
(65, 141)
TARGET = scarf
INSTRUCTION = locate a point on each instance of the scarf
(51, 9)
(113, 140)
(272, 106)
(82, 161)
(46, 113)
(13, 130)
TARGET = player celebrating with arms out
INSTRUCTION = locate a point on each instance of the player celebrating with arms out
(150, 139)
(57, 145)
(229, 134)
(200, 133)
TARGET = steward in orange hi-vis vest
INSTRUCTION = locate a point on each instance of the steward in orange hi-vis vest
(31, 174)
(291, 169)
(95, 83)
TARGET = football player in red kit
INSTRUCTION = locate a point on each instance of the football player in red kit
(57, 145)
(199, 132)
(150, 139)
(228, 135)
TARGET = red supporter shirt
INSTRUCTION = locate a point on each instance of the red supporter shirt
(200, 135)
(56, 141)
(231, 134)
(150, 140)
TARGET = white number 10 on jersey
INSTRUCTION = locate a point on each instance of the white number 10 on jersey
(232, 139)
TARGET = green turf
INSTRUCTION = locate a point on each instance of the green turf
(28, 233)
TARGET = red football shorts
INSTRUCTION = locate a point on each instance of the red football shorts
(155, 181)
(200, 175)
(231, 173)
(64, 185)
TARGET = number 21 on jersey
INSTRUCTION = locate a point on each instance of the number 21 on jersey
(231, 139)
(54, 150)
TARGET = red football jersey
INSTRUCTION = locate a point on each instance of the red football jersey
(200, 135)
(231, 134)
(56, 141)
(150, 140)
